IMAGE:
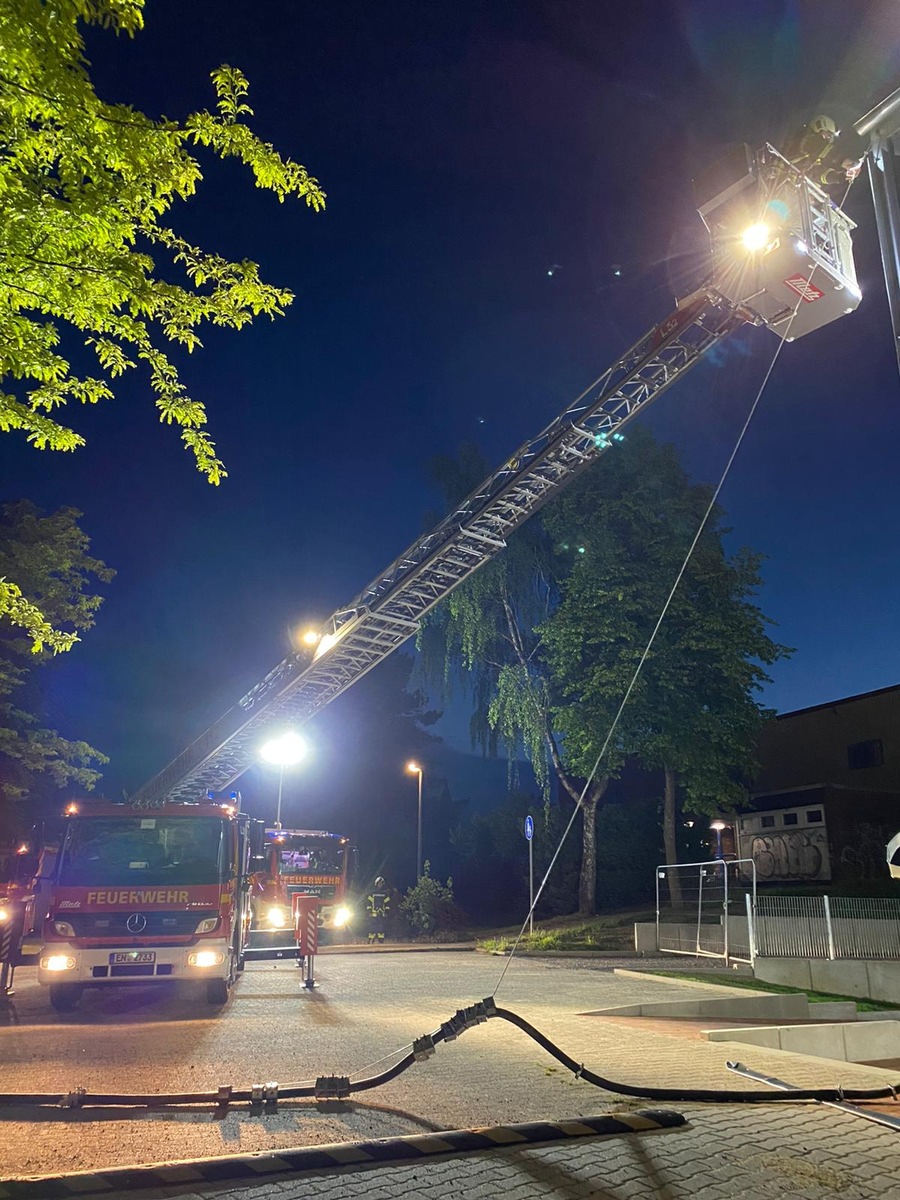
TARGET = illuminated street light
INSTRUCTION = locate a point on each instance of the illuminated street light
(284, 751)
(756, 236)
(717, 827)
(414, 769)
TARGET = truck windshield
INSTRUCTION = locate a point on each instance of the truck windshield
(309, 858)
(102, 851)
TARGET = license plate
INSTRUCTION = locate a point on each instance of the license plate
(132, 956)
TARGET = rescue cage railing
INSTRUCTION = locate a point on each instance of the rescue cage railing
(825, 227)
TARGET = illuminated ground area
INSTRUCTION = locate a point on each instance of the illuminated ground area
(367, 1006)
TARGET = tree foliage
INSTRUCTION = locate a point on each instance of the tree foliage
(50, 554)
(86, 245)
(483, 635)
(692, 711)
(612, 546)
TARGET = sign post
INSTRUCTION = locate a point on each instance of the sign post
(529, 837)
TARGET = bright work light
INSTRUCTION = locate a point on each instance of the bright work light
(757, 236)
(286, 750)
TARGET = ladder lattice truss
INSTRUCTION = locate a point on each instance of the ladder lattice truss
(389, 610)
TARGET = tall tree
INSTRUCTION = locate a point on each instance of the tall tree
(50, 554)
(549, 676)
(692, 711)
(485, 637)
(85, 244)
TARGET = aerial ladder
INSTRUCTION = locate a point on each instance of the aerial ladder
(781, 256)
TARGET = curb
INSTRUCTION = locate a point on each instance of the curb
(613, 954)
(263, 1164)
(694, 983)
(396, 948)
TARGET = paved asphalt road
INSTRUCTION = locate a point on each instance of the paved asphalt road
(366, 1007)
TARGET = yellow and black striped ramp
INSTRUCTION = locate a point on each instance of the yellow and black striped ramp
(263, 1164)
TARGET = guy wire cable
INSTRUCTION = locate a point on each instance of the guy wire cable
(665, 608)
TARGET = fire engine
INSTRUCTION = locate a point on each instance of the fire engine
(132, 897)
(300, 862)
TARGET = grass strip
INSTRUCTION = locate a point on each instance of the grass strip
(758, 985)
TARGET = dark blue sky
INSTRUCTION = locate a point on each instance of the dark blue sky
(465, 148)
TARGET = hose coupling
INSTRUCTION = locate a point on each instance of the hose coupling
(455, 1026)
(423, 1047)
(264, 1093)
(332, 1087)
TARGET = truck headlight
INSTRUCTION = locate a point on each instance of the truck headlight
(207, 925)
(206, 958)
(342, 916)
(64, 928)
(58, 962)
(4, 915)
(276, 917)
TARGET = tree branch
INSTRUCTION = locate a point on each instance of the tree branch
(515, 636)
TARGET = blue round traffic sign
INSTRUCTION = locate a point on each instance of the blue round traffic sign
(529, 828)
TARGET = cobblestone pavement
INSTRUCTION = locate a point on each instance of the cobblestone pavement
(368, 1006)
(805, 1153)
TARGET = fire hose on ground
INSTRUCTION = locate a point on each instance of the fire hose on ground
(337, 1087)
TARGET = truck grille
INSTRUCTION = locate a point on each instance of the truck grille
(159, 923)
(324, 891)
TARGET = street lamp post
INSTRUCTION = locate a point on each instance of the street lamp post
(414, 769)
(717, 827)
(284, 751)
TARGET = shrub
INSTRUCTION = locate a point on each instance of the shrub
(429, 905)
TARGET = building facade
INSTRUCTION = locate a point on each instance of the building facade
(826, 799)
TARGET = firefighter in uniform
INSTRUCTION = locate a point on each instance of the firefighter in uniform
(377, 905)
(814, 152)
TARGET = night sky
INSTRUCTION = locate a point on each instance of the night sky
(509, 196)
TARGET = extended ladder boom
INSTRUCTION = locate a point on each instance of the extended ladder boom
(794, 279)
(388, 612)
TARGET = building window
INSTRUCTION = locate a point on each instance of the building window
(790, 818)
(767, 822)
(865, 754)
(814, 816)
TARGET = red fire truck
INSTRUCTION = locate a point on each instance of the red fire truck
(133, 896)
(306, 862)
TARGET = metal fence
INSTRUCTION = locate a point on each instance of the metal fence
(712, 910)
(702, 909)
(827, 927)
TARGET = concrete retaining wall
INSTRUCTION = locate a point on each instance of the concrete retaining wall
(682, 936)
(858, 1042)
(751, 1006)
(872, 979)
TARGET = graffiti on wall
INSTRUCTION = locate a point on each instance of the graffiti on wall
(790, 854)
